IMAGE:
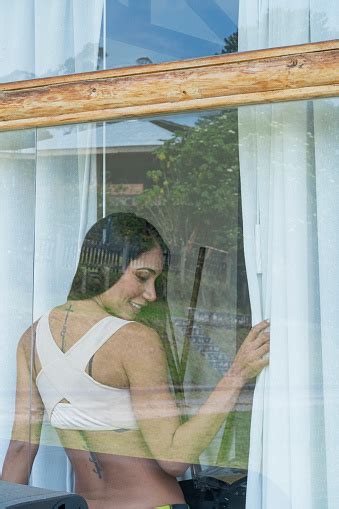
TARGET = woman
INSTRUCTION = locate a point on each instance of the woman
(102, 377)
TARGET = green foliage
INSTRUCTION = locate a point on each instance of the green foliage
(231, 43)
(195, 185)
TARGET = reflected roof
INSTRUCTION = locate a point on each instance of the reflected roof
(132, 133)
(122, 136)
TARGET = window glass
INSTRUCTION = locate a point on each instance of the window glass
(96, 170)
(56, 38)
(182, 174)
(244, 203)
(59, 38)
(158, 31)
(17, 204)
(62, 38)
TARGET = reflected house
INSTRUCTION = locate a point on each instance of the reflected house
(124, 153)
(125, 192)
(119, 157)
(129, 155)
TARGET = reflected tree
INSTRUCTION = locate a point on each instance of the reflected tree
(231, 43)
(193, 190)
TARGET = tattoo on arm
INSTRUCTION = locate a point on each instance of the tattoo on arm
(97, 468)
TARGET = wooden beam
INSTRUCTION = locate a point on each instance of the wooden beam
(273, 75)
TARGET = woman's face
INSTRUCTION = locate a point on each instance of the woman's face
(136, 287)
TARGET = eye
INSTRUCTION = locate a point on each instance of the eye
(142, 277)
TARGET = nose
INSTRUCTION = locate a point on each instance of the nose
(149, 291)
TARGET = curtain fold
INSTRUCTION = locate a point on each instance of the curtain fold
(17, 208)
(289, 187)
(54, 204)
(65, 209)
(326, 125)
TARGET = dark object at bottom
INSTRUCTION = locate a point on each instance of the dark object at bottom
(215, 494)
(173, 506)
(18, 496)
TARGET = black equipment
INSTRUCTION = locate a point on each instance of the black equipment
(216, 488)
(18, 496)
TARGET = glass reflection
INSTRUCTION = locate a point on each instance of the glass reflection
(71, 209)
(153, 31)
(59, 38)
(17, 211)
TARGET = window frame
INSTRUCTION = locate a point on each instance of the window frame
(301, 72)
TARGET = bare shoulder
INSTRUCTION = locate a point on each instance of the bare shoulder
(143, 356)
(27, 340)
(138, 342)
(135, 334)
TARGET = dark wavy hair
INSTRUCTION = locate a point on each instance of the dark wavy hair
(108, 247)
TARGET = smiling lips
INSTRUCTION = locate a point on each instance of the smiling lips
(136, 306)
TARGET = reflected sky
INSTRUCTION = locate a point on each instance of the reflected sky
(136, 32)
(133, 32)
(161, 30)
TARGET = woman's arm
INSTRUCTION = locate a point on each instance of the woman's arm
(155, 408)
(29, 411)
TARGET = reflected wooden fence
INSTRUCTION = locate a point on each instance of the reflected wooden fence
(96, 255)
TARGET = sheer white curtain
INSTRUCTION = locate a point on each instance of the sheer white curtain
(65, 209)
(40, 38)
(17, 205)
(47, 202)
(289, 185)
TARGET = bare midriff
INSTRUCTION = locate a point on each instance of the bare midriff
(113, 469)
(121, 479)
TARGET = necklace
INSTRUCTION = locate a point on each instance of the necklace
(64, 328)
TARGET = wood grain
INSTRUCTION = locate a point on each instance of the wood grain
(273, 75)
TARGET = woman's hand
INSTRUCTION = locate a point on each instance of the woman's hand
(252, 355)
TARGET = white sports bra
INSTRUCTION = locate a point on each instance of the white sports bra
(92, 406)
